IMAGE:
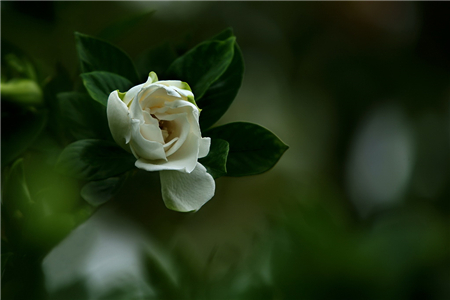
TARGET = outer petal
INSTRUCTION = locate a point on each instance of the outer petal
(134, 90)
(181, 87)
(203, 148)
(118, 120)
(132, 93)
(187, 192)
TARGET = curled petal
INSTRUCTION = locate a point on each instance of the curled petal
(156, 95)
(118, 120)
(129, 96)
(187, 192)
(203, 148)
(184, 160)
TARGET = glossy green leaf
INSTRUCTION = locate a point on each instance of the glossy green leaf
(222, 92)
(94, 160)
(19, 130)
(253, 149)
(82, 117)
(157, 59)
(216, 160)
(100, 84)
(98, 192)
(99, 55)
(124, 25)
(203, 65)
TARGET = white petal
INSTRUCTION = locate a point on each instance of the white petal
(187, 192)
(180, 128)
(118, 120)
(150, 80)
(181, 87)
(184, 160)
(136, 110)
(132, 93)
(203, 148)
(144, 148)
(169, 144)
(155, 95)
(150, 129)
(135, 89)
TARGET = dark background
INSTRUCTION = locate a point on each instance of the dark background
(358, 207)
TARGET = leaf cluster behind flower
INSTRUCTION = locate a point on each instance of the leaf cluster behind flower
(214, 70)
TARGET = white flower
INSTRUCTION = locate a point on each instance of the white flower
(157, 121)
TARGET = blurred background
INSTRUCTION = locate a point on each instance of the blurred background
(357, 208)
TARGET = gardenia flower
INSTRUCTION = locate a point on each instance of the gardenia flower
(158, 122)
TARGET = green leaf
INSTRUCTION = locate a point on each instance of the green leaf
(203, 65)
(82, 117)
(216, 160)
(100, 84)
(223, 35)
(94, 160)
(22, 91)
(253, 149)
(99, 55)
(157, 59)
(222, 92)
(15, 192)
(23, 127)
(124, 25)
(98, 192)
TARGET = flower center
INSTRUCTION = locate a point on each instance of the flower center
(166, 130)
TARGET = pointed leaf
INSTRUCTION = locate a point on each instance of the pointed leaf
(98, 192)
(24, 126)
(203, 65)
(100, 84)
(216, 160)
(222, 92)
(82, 117)
(99, 55)
(157, 59)
(94, 160)
(253, 149)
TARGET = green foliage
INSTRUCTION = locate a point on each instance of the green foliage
(20, 128)
(100, 84)
(82, 117)
(157, 59)
(203, 65)
(253, 149)
(220, 94)
(16, 196)
(101, 191)
(99, 55)
(216, 160)
(22, 91)
(15, 65)
(92, 159)
(39, 208)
